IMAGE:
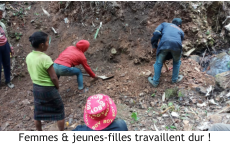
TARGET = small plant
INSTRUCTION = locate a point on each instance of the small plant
(170, 127)
(171, 92)
(18, 35)
(170, 104)
(208, 32)
(153, 95)
(20, 13)
(180, 94)
(134, 116)
(35, 13)
(164, 106)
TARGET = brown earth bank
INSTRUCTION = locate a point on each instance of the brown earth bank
(127, 28)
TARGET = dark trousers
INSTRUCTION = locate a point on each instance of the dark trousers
(176, 54)
(5, 61)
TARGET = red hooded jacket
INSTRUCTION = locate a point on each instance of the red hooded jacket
(72, 56)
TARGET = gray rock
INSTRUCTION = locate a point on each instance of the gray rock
(195, 58)
(219, 64)
(222, 79)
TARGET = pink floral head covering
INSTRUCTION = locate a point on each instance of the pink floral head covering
(99, 112)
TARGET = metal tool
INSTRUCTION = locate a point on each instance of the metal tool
(101, 77)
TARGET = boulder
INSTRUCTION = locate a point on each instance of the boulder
(195, 58)
(219, 64)
(223, 80)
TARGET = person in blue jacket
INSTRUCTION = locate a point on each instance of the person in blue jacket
(171, 37)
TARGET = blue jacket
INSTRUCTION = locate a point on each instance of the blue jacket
(170, 35)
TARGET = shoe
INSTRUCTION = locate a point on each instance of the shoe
(180, 77)
(84, 90)
(150, 79)
(10, 85)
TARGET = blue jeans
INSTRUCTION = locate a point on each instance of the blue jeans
(176, 54)
(5, 61)
(69, 71)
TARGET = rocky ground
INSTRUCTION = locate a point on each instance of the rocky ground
(122, 48)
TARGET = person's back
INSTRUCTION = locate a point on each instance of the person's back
(70, 57)
(171, 36)
(172, 32)
(37, 64)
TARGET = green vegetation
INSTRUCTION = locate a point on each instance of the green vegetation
(18, 36)
(170, 127)
(20, 13)
(170, 104)
(210, 43)
(134, 116)
(180, 94)
(163, 106)
(36, 13)
(171, 92)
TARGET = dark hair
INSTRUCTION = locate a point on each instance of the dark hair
(177, 21)
(37, 38)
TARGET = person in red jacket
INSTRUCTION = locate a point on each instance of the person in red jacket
(65, 64)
